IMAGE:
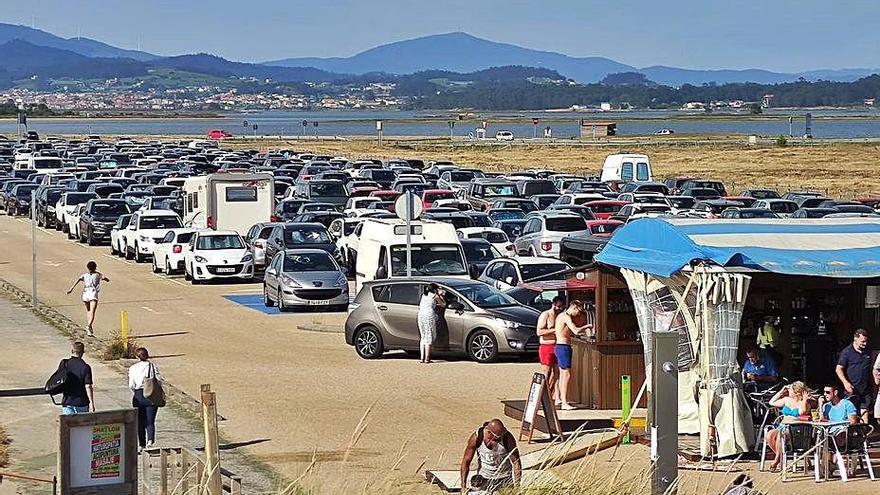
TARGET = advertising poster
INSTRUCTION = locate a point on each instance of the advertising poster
(106, 451)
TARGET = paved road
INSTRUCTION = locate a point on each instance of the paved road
(31, 350)
(303, 391)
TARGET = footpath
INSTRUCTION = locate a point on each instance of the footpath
(29, 352)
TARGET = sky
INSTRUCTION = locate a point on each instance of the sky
(783, 35)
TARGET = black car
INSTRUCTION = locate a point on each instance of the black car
(47, 196)
(385, 178)
(104, 190)
(300, 236)
(98, 218)
(324, 218)
(6, 190)
(478, 253)
(79, 185)
(18, 201)
(286, 209)
(513, 227)
(163, 190)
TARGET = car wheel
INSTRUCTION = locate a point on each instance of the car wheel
(192, 276)
(156, 268)
(128, 253)
(168, 270)
(138, 257)
(279, 298)
(113, 250)
(90, 239)
(57, 226)
(267, 301)
(368, 342)
(39, 221)
(186, 275)
(482, 346)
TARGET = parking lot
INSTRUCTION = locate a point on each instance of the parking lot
(289, 392)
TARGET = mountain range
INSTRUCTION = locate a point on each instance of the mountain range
(24, 49)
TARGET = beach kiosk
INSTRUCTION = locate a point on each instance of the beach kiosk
(709, 281)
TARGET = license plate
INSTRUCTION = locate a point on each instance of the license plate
(320, 303)
(226, 270)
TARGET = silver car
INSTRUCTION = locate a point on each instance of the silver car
(306, 278)
(479, 321)
(545, 229)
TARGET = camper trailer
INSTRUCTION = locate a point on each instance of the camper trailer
(626, 167)
(436, 250)
(227, 201)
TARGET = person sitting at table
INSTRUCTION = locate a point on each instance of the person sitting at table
(838, 409)
(793, 402)
(760, 369)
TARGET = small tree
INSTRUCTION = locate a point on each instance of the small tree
(781, 141)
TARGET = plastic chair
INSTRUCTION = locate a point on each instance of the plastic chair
(799, 441)
(855, 443)
(764, 431)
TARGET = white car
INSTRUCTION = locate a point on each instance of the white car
(782, 207)
(117, 235)
(507, 273)
(72, 220)
(495, 236)
(145, 229)
(347, 244)
(358, 206)
(578, 198)
(169, 252)
(504, 136)
(66, 204)
(217, 254)
(458, 204)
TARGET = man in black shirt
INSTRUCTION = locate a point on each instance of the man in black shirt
(856, 374)
(78, 395)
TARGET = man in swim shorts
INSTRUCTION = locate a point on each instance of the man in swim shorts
(547, 345)
(572, 322)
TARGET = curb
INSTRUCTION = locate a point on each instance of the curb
(320, 328)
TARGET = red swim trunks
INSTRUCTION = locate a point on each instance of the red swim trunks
(547, 354)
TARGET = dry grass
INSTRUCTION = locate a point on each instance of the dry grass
(119, 349)
(839, 169)
(4, 447)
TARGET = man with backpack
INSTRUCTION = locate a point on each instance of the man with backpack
(78, 396)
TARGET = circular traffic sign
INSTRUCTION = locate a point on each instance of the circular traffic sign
(246, 123)
(400, 206)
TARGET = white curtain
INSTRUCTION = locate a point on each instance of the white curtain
(705, 310)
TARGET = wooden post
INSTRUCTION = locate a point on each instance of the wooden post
(145, 470)
(235, 485)
(163, 472)
(184, 471)
(213, 485)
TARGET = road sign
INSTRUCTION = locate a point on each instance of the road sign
(535, 121)
(401, 209)
(246, 123)
(378, 125)
(255, 127)
(315, 123)
(305, 123)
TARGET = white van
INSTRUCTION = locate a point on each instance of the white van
(45, 164)
(436, 250)
(626, 167)
(227, 201)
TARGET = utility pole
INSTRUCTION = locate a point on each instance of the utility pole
(34, 248)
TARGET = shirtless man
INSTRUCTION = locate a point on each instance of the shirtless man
(572, 322)
(547, 348)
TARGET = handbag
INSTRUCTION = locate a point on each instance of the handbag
(153, 390)
(57, 383)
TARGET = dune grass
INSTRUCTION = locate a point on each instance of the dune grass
(4, 447)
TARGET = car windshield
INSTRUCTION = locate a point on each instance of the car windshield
(484, 296)
(459, 176)
(75, 199)
(566, 224)
(605, 208)
(490, 236)
(416, 187)
(160, 222)
(531, 272)
(508, 215)
(479, 251)
(309, 262)
(25, 189)
(385, 175)
(604, 228)
(327, 189)
(305, 235)
(290, 206)
(216, 242)
(783, 207)
(109, 209)
(512, 229)
(499, 190)
(433, 259)
(53, 196)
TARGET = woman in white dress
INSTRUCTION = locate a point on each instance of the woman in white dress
(430, 307)
(91, 281)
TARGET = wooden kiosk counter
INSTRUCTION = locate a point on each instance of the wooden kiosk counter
(597, 366)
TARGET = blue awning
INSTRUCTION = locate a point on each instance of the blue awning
(838, 247)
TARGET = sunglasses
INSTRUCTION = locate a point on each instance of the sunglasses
(827, 392)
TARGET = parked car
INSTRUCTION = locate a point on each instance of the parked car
(735, 212)
(813, 212)
(308, 278)
(635, 211)
(98, 218)
(483, 323)
(544, 230)
(477, 254)
(145, 229)
(760, 193)
(256, 239)
(47, 198)
(217, 255)
(603, 209)
(496, 214)
(295, 235)
(482, 192)
(494, 235)
(526, 205)
(65, 206)
(168, 256)
(513, 228)
(18, 201)
(504, 136)
(118, 235)
(507, 273)
(781, 207)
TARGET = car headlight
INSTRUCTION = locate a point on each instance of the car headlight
(288, 281)
(508, 324)
(341, 280)
(247, 258)
(200, 259)
(143, 238)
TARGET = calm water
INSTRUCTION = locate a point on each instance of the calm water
(846, 124)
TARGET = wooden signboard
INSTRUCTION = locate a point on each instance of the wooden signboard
(97, 453)
(539, 396)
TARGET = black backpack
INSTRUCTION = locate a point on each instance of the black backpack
(57, 383)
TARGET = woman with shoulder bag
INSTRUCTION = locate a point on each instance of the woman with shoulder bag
(145, 381)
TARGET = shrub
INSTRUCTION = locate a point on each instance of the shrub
(117, 349)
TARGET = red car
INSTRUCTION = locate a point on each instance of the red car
(431, 195)
(603, 209)
(386, 195)
(603, 227)
(358, 192)
(219, 134)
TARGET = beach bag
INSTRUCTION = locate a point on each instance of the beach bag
(58, 381)
(153, 390)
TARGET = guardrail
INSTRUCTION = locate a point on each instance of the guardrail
(53, 481)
